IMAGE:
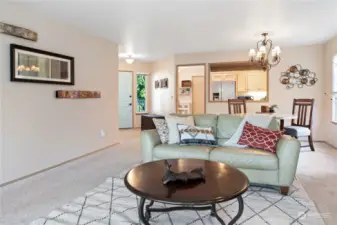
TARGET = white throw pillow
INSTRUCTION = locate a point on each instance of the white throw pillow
(193, 135)
(172, 122)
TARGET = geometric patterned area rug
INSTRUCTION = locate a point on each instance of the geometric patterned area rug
(111, 203)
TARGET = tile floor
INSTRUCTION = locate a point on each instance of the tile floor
(29, 199)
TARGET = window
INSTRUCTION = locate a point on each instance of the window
(334, 89)
(141, 93)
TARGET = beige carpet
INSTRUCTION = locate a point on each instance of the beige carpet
(27, 200)
(111, 203)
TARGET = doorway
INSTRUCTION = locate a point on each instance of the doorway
(190, 96)
(125, 99)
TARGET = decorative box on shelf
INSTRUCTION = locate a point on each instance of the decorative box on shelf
(264, 109)
(186, 83)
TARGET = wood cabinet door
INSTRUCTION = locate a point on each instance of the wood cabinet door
(256, 82)
(263, 83)
(242, 82)
(230, 77)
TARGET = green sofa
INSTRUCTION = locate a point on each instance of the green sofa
(261, 167)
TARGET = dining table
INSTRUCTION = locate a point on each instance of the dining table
(282, 117)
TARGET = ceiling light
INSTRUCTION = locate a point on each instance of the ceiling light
(262, 52)
(129, 60)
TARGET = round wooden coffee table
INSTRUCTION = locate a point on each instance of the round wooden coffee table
(222, 183)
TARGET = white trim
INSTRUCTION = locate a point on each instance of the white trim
(334, 89)
(334, 107)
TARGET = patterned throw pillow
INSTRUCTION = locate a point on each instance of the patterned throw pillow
(258, 137)
(196, 135)
(162, 129)
(172, 122)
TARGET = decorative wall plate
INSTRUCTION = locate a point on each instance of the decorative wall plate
(19, 32)
(296, 76)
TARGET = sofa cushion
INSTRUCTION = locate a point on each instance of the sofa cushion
(172, 151)
(172, 122)
(208, 120)
(297, 131)
(162, 129)
(245, 158)
(227, 125)
(259, 137)
(196, 135)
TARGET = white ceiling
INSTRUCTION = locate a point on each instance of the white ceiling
(153, 29)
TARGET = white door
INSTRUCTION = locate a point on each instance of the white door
(242, 83)
(125, 99)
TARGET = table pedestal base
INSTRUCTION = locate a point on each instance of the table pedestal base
(145, 216)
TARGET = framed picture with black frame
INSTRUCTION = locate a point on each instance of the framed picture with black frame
(156, 84)
(164, 83)
(38, 66)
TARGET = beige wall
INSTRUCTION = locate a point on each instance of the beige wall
(138, 67)
(310, 57)
(38, 130)
(163, 99)
(330, 50)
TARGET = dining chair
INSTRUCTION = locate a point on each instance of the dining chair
(301, 127)
(237, 105)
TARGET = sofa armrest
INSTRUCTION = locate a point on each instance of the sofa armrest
(287, 151)
(148, 139)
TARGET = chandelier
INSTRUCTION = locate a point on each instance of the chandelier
(262, 52)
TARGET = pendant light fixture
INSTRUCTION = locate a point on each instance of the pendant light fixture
(265, 54)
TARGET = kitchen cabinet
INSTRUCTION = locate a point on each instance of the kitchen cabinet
(237, 80)
(256, 82)
(241, 82)
(223, 77)
(247, 81)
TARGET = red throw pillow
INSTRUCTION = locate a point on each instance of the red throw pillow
(258, 137)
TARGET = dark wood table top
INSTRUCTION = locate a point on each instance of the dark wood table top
(222, 183)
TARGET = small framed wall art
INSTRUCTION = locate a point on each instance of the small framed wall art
(164, 83)
(156, 84)
(38, 66)
(77, 94)
(19, 32)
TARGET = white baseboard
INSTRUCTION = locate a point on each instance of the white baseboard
(327, 143)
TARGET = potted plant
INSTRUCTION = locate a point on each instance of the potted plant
(272, 108)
